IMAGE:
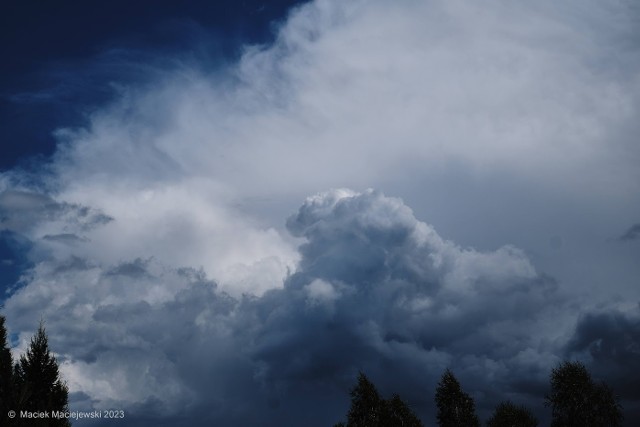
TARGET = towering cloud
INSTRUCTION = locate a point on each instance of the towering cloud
(375, 289)
(378, 290)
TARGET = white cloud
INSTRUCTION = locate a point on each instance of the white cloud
(319, 291)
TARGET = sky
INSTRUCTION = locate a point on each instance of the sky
(224, 211)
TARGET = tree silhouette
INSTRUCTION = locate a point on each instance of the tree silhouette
(576, 400)
(38, 382)
(509, 415)
(366, 404)
(455, 407)
(396, 413)
(368, 409)
(6, 377)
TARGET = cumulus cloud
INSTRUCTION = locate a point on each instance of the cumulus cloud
(375, 289)
(170, 286)
(179, 226)
(396, 296)
(131, 324)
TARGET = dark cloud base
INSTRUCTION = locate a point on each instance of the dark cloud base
(375, 290)
(609, 341)
(633, 233)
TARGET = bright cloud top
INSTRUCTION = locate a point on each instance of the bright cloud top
(349, 93)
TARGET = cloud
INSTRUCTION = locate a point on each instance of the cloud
(136, 329)
(64, 238)
(21, 210)
(632, 233)
(609, 342)
(375, 289)
(171, 288)
(395, 296)
(470, 113)
(336, 70)
(179, 225)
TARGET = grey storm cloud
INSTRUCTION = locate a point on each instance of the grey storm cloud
(380, 291)
(633, 233)
(608, 341)
(611, 340)
(375, 290)
(21, 210)
(64, 238)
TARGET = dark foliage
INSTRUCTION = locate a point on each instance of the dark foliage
(368, 409)
(366, 404)
(38, 384)
(576, 400)
(508, 414)
(396, 413)
(6, 377)
(455, 407)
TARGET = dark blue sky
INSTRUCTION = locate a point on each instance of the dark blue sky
(49, 52)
